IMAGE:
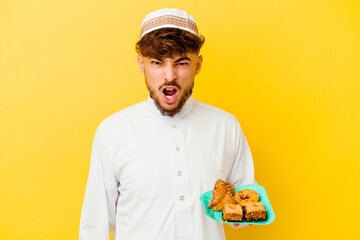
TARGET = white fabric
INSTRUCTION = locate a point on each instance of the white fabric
(168, 11)
(168, 26)
(143, 164)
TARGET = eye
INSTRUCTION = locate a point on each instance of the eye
(183, 63)
(156, 62)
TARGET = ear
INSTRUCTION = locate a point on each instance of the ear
(198, 64)
(140, 64)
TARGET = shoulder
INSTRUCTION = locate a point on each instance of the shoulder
(212, 112)
(122, 117)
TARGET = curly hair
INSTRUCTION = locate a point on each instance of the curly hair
(167, 42)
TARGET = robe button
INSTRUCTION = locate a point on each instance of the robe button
(174, 126)
(179, 173)
(177, 149)
(181, 198)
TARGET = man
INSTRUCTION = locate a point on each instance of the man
(151, 162)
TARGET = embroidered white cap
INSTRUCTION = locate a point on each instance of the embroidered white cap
(168, 18)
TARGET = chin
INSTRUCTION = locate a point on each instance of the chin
(168, 110)
(167, 106)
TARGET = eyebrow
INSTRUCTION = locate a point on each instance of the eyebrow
(176, 61)
(182, 59)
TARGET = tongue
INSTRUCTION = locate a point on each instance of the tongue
(170, 92)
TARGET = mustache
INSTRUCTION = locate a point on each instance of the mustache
(168, 84)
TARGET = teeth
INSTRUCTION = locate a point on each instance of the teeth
(169, 97)
(169, 89)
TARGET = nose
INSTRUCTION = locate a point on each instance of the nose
(170, 73)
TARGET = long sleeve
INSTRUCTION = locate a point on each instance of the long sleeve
(99, 207)
(242, 171)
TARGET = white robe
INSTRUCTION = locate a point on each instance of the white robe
(147, 172)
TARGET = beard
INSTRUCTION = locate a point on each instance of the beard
(178, 106)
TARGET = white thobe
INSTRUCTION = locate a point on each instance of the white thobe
(147, 172)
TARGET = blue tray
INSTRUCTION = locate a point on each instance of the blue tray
(206, 197)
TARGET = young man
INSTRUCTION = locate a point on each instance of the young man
(151, 162)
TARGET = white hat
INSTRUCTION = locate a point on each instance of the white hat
(168, 18)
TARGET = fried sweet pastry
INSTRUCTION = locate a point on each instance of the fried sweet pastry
(230, 187)
(229, 198)
(245, 196)
(255, 211)
(232, 213)
(219, 192)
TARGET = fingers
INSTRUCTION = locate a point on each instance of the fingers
(237, 225)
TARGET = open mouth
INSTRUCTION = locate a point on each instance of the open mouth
(170, 94)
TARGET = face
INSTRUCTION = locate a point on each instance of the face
(170, 80)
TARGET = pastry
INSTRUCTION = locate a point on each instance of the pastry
(229, 198)
(245, 196)
(232, 212)
(255, 211)
(219, 192)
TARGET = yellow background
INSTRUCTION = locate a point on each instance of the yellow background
(288, 70)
